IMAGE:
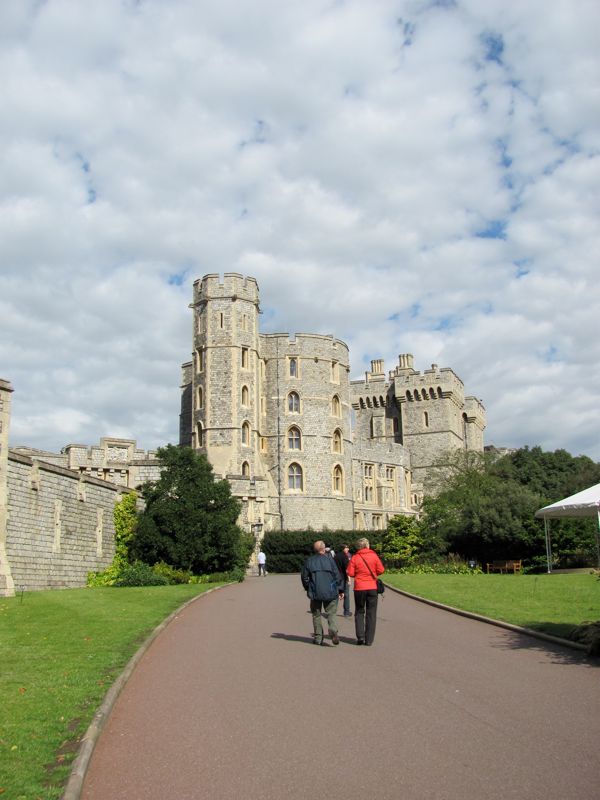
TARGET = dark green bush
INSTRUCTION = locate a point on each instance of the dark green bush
(286, 551)
(139, 574)
(172, 574)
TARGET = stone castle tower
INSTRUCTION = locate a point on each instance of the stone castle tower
(300, 443)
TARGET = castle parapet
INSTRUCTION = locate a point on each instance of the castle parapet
(233, 286)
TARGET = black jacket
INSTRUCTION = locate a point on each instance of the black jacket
(321, 578)
(342, 560)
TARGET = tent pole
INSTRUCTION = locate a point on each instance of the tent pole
(548, 545)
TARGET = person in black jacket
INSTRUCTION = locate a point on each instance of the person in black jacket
(342, 559)
(324, 585)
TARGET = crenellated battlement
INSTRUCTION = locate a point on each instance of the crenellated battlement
(233, 286)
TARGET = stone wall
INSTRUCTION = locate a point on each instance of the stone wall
(59, 525)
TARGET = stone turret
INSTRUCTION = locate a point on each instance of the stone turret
(7, 586)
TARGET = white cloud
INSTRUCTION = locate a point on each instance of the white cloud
(409, 176)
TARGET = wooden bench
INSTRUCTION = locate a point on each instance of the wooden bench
(505, 566)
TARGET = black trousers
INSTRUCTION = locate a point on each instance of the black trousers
(365, 614)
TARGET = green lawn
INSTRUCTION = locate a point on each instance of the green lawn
(551, 603)
(59, 653)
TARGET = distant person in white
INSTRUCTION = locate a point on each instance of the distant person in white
(262, 564)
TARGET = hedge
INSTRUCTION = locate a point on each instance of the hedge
(286, 551)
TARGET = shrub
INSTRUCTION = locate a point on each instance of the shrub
(172, 574)
(286, 551)
(139, 574)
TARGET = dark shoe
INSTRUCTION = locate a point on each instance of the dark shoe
(318, 640)
(348, 614)
(335, 639)
(360, 641)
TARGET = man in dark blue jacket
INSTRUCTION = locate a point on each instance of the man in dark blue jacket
(324, 586)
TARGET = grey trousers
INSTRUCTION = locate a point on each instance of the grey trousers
(330, 609)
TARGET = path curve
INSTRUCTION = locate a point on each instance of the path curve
(232, 700)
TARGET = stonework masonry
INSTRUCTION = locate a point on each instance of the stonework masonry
(301, 444)
(56, 524)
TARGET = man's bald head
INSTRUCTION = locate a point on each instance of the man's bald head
(319, 547)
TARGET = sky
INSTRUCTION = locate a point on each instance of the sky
(409, 176)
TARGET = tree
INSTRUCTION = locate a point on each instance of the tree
(405, 542)
(190, 520)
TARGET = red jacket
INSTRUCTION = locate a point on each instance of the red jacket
(358, 570)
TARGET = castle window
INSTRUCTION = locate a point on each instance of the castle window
(408, 396)
(245, 396)
(200, 360)
(293, 367)
(439, 391)
(294, 439)
(336, 406)
(335, 372)
(245, 358)
(424, 394)
(200, 397)
(426, 419)
(372, 428)
(390, 473)
(337, 441)
(263, 444)
(338, 479)
(368, 471)
(245, 322)
(361, 403)
(295, 477)
(377, 522)
(246, 434)
(245, 470)
(199, 435)
(294, 403)
(416, 395)
(221, 320)
(396, 425)
(368, 494)
(432, 394)
(464, 425)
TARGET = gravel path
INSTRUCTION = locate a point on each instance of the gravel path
(233, 701)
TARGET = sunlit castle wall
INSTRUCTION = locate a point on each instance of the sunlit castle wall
(305, 426)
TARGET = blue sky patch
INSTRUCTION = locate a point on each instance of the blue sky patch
(178, 278)
(493, 44)
(495, 229)
(522, 267)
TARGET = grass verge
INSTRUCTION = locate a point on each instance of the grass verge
(555, 604)
(60, 651)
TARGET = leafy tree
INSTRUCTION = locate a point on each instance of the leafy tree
(405, 542)
(125, 521)
(189, 520)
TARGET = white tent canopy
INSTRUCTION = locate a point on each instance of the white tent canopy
(582, 504)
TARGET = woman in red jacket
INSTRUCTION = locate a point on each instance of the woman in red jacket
(364, 567)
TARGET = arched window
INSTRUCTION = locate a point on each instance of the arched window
(432, 394)
(416, 395)
(246, 433)
(337, 441)
(426, 419)
(293, 364)
(424, 394)
(464, 426)
(245, 470)
(200, 397)
(294, 439)
(338, 479)
(439, 391)
(336, 406)
(372, 428)
(294, 403)
(245, 396)
(199, 435)
(409, 395)
(295, 477)
(361, 403)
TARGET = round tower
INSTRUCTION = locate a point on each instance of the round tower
(225, 372)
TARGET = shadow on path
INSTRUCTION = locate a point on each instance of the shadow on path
(556, 653)
(292, 637)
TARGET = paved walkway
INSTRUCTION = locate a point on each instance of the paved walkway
(233, 701)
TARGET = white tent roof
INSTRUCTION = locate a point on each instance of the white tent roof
(582, 504)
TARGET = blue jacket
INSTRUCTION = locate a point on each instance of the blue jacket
(321, 578)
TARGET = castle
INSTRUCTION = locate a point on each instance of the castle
(300, 443)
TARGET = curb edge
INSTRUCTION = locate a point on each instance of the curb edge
(88, 741)
(546, 637)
